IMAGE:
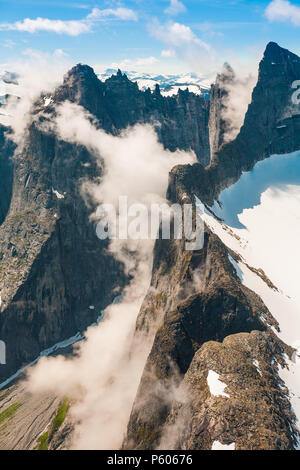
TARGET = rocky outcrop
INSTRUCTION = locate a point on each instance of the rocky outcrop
(209, 303)
(201, 316)
(33, 421)
(254, 412)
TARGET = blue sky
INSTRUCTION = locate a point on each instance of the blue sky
(149, 35)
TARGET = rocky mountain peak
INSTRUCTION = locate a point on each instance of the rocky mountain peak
(275, 55)
(80, 72)
(274, 51)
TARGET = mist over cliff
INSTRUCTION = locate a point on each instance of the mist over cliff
(177, 335)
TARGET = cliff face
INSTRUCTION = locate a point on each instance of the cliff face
(6, 173)
(213, 322)
(271, 126)
(181, 122)
(199, 315)
(52, 265)
(218, 95)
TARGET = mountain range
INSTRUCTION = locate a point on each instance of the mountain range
(212, 337)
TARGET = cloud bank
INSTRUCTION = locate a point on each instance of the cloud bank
(282, 10)
(37, 73)
(175, 8)
(235, 103)
(69, 27)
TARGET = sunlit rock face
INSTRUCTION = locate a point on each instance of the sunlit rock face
(261, 225)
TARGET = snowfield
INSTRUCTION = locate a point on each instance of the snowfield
(169, 84)
(261, 224)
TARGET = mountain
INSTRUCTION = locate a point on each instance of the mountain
(222, 326)
(216, 374)
(9, 92)
(47, 246)
(169, 84)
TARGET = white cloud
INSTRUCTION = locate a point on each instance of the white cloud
(168, 53)
(129, 64)
(38, 72)
(175, 8)
(239, 94)
(189, 49)
(176, 34)
(9, 43)
(70, 27)
(60, 53)
(282, 10)
(120, 13)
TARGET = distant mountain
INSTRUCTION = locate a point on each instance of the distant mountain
(169, 84)
(10, 91)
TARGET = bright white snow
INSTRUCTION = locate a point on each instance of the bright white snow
(47, 101)
(216, 387)
(238, 270)
(169, 84)
(57, 194)
(256, 364)
(218, 446)
(261, 214)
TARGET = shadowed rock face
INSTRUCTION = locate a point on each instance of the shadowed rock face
(181, 122)
(6, 173)
(202, 318)
(272, 125)
(52, 265)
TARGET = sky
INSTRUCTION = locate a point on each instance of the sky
(160, 36)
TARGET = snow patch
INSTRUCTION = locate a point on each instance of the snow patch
(57, 194)
(238, 270)
(216, 387)
(48, 101)
(218, 446)
(256, 364)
